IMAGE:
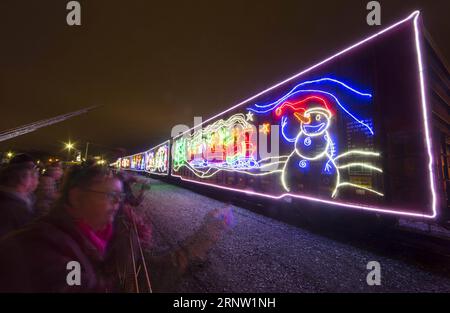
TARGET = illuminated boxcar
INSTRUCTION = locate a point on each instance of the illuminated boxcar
(154, 161)
(357, 130)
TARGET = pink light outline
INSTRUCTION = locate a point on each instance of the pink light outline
(414, 15)
(425, 113)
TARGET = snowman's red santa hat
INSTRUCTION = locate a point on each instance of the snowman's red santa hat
(301, 107)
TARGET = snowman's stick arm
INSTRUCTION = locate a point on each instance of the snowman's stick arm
(283, 124)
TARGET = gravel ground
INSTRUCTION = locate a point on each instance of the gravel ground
(260, 254)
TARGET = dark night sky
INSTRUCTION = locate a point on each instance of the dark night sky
(156, 64)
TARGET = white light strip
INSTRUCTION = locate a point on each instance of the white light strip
(167, 142)
(364, 165)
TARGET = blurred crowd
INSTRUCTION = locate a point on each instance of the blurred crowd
(79, 229)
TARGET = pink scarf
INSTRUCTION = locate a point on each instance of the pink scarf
(98, 238)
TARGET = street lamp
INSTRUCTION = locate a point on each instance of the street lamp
(9, 155)
(69, 146)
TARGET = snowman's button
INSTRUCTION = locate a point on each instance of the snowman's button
(307, 141)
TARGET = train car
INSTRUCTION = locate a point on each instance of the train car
(365, 129)
(157, 159)
(439, 98)
(154, 161)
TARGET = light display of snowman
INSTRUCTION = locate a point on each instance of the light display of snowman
(307, 115)
(313, 148)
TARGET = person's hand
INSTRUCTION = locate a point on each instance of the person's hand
(143, 229)
(215, 224)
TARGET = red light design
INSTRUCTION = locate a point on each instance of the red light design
(301, 106)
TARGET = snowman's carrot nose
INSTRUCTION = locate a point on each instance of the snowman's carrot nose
(302, 118)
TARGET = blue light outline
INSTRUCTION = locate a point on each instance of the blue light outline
(323, 92)
(313, 82)
(283, 124)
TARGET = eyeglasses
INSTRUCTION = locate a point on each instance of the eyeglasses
(113, 196)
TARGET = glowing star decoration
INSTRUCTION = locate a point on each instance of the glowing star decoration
(265, 128)
(249, 116)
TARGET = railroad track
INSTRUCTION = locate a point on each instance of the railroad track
(395, 243)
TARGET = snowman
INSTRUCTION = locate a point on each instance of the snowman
(313, 166)
(313, 152)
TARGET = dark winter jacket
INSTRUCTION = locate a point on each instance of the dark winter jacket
(36, 259)
(15, 212)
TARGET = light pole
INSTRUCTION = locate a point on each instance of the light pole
(69, 146)
(86, 151)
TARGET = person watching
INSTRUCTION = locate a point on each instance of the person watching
(17, 184)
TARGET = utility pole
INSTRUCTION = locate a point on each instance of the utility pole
(86, 151)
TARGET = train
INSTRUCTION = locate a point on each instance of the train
(366, 129)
